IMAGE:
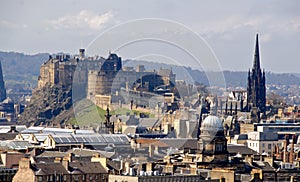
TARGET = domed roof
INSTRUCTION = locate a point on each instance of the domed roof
(212, 123)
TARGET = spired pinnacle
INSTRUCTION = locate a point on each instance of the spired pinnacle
(2, 85)
(256, 65)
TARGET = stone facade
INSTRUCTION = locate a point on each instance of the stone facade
(57, 70)
(60, 170)
(256, 89)
(212, 142)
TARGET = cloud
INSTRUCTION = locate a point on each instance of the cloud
(84, 19)
(232, 23)
(265, 37)
(10, 25)
(268, 26)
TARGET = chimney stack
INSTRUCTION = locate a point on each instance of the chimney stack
(292, 148)
(81, 53)
(286, 139)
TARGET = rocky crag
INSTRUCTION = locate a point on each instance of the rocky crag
(50, 105)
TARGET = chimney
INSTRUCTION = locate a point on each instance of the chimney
(285, 147)
(65, 163)
(270, 160)
(127, 167)
(222, 179)
(69, 157)
(98, 158)
(292, 149)
(81, 53)
(24, 163)
(57, 160)
(249, 159)
(13, 129)
(149, 167)
(151, 150)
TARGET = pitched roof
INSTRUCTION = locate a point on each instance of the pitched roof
(51, 154)
(149, 122)
(233, 149)
(43, 168)
(89, 167)
(89, 153)
(50, 168)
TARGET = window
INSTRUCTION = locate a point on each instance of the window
(50, 178)
(219, 147)
(65, 177)
(263, 145)
(269, 146)
(76, 177)
(40, 178)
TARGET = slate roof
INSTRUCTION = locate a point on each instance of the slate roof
(149, 122)
(233, 149)
(48, 130)
(17, 145)
(6, 129)
(88, 167)
(51, 154)
(134, 129)
(7, 136)
(178, 143)
(91, 139)
(49, 168)
(89, 153)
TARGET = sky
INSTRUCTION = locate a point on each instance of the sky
(229, 28)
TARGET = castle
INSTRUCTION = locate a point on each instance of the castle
(101, 77)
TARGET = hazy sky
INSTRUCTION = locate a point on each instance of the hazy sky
(229, 27)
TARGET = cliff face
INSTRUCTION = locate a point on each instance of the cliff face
(49, 105)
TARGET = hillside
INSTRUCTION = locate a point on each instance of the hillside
(20, 69)
(54, 105)
(232, 78)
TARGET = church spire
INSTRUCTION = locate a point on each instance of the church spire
(2, 85)
(256, 90)
(256, 65)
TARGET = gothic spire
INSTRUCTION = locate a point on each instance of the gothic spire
(256, 65)
(2, 85)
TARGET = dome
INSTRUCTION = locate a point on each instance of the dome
(212, 123)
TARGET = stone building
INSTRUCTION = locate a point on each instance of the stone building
(212, 141)
(60, 170)
(101, 82)
(58, 70)
(256, 88)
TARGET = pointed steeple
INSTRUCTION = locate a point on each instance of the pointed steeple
(2, 85)
(256, 88)
(256, 64)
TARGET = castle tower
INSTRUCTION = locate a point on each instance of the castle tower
(256, 88)
(2, 85)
